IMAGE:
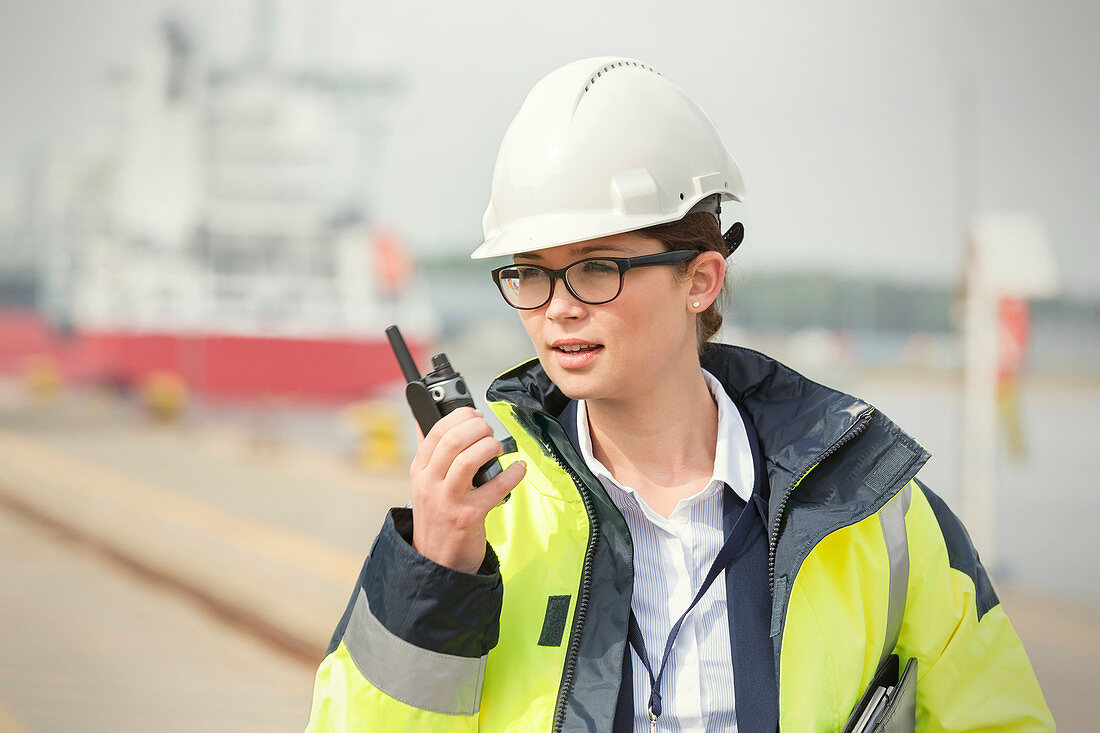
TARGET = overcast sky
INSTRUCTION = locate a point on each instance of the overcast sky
(844, 116)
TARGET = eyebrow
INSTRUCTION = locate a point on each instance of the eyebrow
(582, 252)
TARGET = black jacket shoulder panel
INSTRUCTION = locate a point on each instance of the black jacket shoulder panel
(961, 553)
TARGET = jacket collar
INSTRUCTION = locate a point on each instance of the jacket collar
(796, 418)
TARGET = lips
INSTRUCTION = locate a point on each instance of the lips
(575, 354)
(574, 346)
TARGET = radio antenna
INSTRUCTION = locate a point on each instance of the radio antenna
(404, 358)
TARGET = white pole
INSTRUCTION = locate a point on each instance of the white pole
(1008, 254)
(980, 407)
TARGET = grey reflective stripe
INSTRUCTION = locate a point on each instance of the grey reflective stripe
(440, 683)
(892, 518)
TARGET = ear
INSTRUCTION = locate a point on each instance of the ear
(707, 275)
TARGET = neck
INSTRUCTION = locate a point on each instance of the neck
(661, 441)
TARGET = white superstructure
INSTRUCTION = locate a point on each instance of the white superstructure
(229, 198)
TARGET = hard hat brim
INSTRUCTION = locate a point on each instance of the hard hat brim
(551, 230)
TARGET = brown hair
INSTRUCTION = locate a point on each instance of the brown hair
(695, 231)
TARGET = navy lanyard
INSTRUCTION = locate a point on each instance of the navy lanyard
(722, 561)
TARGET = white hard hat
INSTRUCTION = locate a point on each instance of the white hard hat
(603, 146)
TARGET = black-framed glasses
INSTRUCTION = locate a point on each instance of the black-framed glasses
(594, 280)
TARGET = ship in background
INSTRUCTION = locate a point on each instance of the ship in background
(222, 232)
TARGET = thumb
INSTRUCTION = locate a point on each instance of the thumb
(493, 491)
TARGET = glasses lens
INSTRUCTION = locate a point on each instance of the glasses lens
(594, 281)
(524, 287)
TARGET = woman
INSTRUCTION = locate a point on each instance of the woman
(697, 537)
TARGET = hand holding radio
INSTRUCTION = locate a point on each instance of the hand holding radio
(455, 479)
(448, 513)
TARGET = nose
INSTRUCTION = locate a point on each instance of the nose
(562, 304)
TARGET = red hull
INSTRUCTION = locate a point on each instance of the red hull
(215, 365)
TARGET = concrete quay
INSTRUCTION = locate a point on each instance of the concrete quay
(214, 545)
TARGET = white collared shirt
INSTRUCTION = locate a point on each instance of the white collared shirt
(671, 559)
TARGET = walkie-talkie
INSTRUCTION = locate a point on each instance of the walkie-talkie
(439, 393)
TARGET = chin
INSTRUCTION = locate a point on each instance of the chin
(575, 385)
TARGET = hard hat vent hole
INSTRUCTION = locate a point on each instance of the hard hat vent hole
(681, 197)
(618, 65)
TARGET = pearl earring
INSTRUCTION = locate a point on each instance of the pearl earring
(695, 304)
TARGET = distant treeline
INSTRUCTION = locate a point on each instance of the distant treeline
(18, 289)
(794, 301)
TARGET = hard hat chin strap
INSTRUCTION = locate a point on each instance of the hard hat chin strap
(713, 205)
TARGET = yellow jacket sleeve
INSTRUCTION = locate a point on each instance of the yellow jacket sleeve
(344, 701)
(973, 671)
(409, 652)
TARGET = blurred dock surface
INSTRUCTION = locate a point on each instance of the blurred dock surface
(86, 648)
(183, 573)
(187, 577)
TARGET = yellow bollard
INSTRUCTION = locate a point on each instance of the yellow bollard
(377, 429)
(42, 378)
(164, 395)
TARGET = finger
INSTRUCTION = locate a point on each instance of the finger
(492, 492)
(455, 441)
(460, 474)
(426, 447)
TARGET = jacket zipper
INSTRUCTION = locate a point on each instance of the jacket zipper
(773, 539)
(582, 600)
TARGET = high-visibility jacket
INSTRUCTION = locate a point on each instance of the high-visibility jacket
(859, 552)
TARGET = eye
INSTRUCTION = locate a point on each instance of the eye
(526, 273)
(599, 267)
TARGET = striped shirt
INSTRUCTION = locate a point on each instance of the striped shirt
(671, 559)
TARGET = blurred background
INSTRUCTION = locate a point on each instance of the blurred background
(209, 211)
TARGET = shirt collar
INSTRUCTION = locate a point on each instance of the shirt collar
(732, 457)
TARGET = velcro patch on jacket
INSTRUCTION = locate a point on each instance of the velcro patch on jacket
(779, 600)
(553, 626)
(889, 467)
